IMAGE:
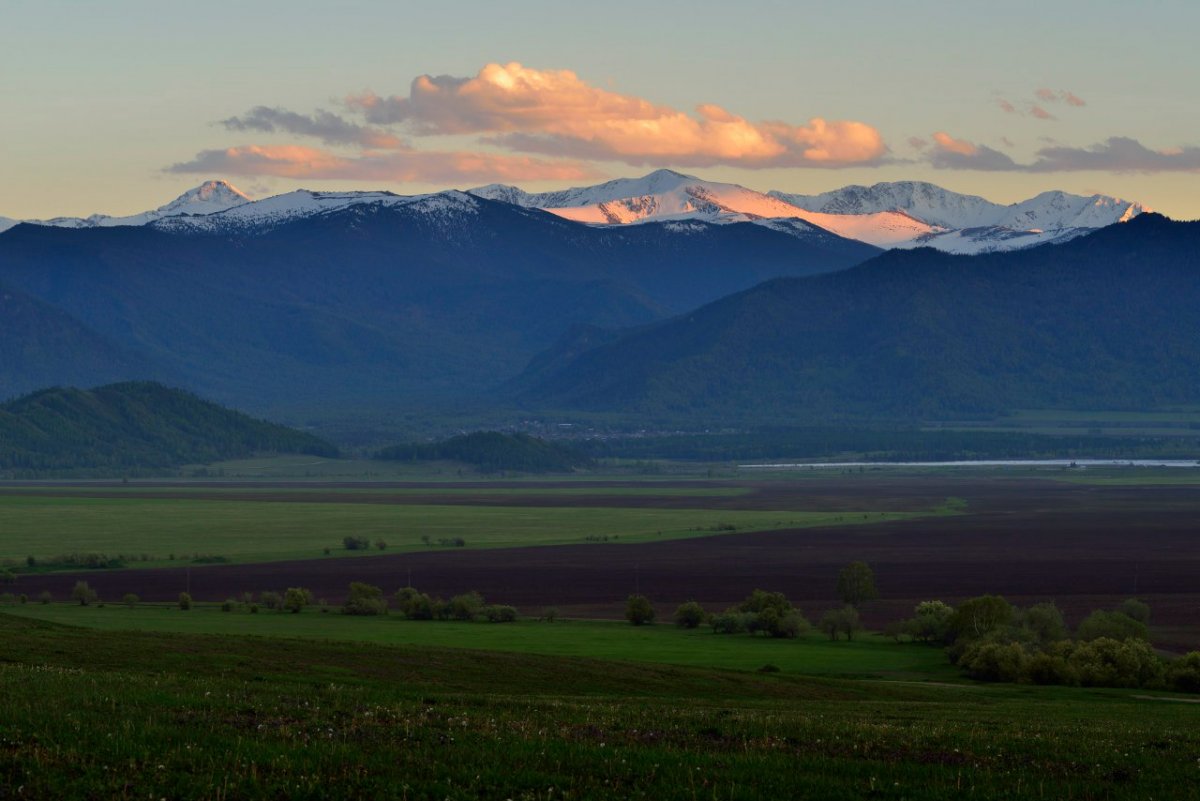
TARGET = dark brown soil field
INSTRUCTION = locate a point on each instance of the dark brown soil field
(1081, 546)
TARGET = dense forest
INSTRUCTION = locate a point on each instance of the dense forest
(131, 426)
(493, 451)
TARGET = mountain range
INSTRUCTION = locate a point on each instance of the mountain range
(1110, 320)
(322, 300)
(662, 295)
(901, 214)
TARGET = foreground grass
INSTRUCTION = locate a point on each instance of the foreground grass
(91, 714)
(260, 531)
(660, 644)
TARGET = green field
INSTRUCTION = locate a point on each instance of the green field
(91, 714)
(663, 643)
(261, 531)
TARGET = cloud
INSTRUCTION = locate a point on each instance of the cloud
(420, 166)
(917, 143)
(554, 112)
(958, 154)
(1037, 111)
(323, 125)
(1006, 107)
(1116, 154)
(1060, 96)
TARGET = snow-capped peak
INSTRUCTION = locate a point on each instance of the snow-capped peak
(666, 194)
(207, 198)
(951, 210)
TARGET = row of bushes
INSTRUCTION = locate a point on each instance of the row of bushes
(367, 599)
(763, 612)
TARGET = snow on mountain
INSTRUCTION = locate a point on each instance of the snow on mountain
(952, 210)
(208, 198)
(991, 239)
(666, 194)
(274, 211)
(901, 214)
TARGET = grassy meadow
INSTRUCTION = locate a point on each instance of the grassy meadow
(110, 714)
(260, 530)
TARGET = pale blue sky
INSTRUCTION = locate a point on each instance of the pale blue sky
(97, 100)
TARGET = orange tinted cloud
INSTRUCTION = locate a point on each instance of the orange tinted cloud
(296, 161)
(556, 112)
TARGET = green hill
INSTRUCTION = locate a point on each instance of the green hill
(134, 425)
(492, 451)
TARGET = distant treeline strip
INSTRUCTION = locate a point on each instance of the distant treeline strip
(493, 451)
(889, 444)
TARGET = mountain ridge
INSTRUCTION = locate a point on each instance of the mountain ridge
(917, 334)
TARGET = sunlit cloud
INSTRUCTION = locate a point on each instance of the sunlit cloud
(1040, 113)
(555, 112)
(324, 125)
(958, 154)
(420, 166)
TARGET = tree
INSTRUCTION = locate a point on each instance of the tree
(271, 600)
(364, 599)
(1133, 608)
(296, 598)
(185, 601)
(381, 544)
(1045, 622)
(840, 621)
(930, 621)
(83, 594)
(1112, 625)
(856, 584)
(130, 599)
(689, 615)
(977, 616)
(638, 610)
(7, 576)
(466, 606)
(499, 613)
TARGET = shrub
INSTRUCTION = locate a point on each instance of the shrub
(790, 626)
(364, 599)
(23, 598)
(1135, 609)
(1046, 668)
(994, 661)
(761, 600)
(351, 543)
(730, 622)
(130, 599)
(466, 606)
(254, 609)
(296, 598)
(549, 614)
(1106, 662)
(1045, 623)
(689, 615)
(1183, 675)
(185, 601)
(414, 605)
(499, 613)
(1113, 626)
(381, 545)
(83, 594)
(228, 604)
(271, 600)
(638, 610)
(45, 597)
(7, 576)
(8, 598)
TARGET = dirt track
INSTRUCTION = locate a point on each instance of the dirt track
(1081, 546)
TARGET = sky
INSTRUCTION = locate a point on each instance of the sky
(121, 106)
